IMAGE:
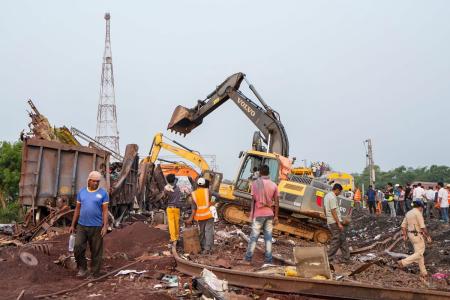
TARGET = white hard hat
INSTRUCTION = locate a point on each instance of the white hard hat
(201, 181)
(397, 184)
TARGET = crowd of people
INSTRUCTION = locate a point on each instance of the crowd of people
(319, 168)
(397, 200)
(415, 202)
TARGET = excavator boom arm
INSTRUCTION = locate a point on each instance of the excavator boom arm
(189, 155)
(265, 119)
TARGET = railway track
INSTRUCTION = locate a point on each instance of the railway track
(319, 288)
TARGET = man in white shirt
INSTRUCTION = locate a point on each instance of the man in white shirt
(429, 196)
(418, 192)
(349, 194)
(336, 225)
(443, 201)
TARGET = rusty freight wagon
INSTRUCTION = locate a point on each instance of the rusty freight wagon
(52, 170)
(52, 173)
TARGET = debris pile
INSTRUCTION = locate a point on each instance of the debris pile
(373, 266)
(366, 230)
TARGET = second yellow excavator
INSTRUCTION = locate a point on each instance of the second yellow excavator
(186, 153)
(152, 175)
(181, 151)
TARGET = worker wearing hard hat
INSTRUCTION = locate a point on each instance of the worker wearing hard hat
(201, 203)
(413, 227)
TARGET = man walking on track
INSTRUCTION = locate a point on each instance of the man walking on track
(335, 224)
(264, 214)
(413, 227)
(91, 222)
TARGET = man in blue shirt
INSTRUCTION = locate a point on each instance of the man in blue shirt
(370, 195)
(91, 220)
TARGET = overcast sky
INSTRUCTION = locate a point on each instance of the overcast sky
(338, 72)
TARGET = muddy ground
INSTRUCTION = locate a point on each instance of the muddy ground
(120, 247)
(123, 246)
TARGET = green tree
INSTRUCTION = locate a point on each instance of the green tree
(403, 175)
(10, 160)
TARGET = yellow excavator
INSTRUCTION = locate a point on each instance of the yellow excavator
(346, 180)
(181, 151)
(301, 209)
(152, 175)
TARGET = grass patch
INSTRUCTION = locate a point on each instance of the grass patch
(10, 213)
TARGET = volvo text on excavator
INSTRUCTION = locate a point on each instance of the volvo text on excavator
(301, 197)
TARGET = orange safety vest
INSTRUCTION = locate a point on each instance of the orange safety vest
(201, 199)
(357, 196)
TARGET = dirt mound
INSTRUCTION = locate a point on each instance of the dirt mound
(135, 239)
(45, 270)
(49, 277)
(16, 275)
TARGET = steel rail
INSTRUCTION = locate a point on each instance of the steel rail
(319, 288)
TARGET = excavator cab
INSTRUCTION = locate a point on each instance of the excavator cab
(249, 170)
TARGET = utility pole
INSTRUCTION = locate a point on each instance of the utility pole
(107, 133)
(304, 163)
(369, 162)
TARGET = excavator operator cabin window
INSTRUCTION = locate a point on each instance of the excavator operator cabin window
(251, 162)
(273, 168)
(254, 163)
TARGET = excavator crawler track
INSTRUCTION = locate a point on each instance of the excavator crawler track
(238, 214)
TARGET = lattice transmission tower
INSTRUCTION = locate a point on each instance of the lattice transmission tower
(107, 132)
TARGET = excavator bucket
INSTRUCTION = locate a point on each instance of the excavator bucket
(181, 121)
(184, 119)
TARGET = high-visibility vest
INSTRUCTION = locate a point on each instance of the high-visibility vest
(201, 199)
(357, 196)
(391, 196)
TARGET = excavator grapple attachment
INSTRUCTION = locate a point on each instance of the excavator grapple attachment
(181, 121)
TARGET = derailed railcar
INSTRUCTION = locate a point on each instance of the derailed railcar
(52, 170)
(53, 173)
(125, 188)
